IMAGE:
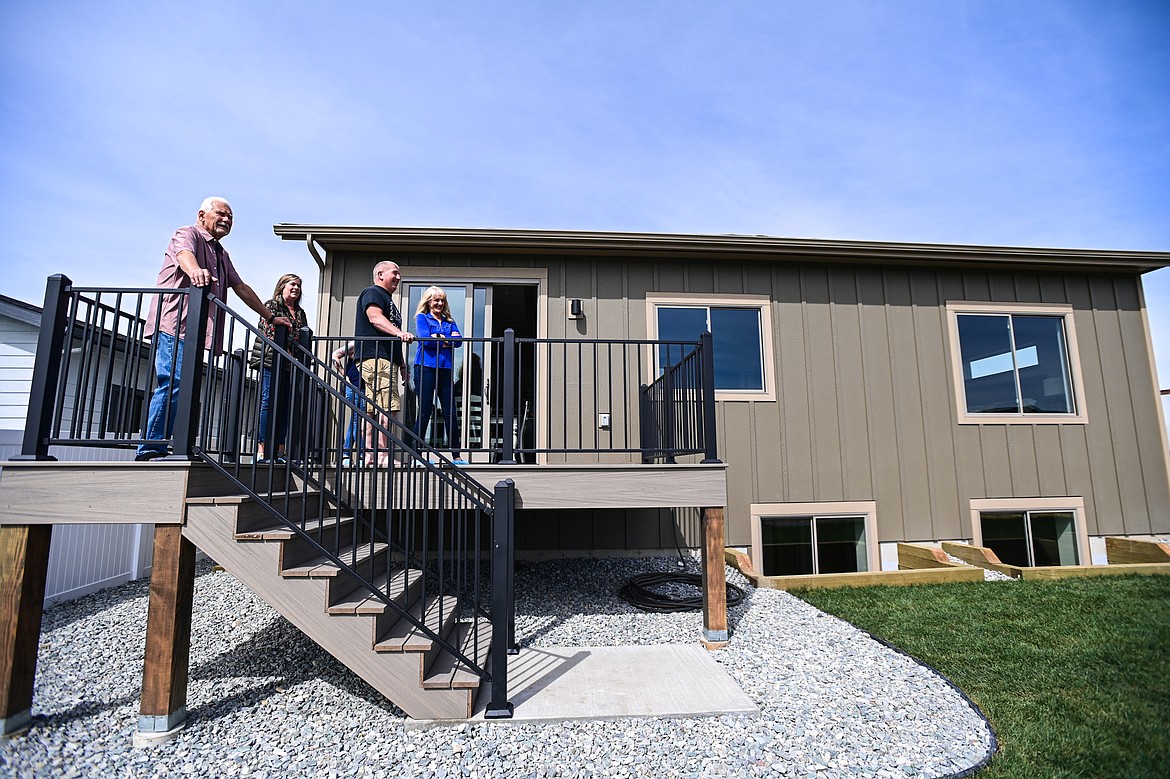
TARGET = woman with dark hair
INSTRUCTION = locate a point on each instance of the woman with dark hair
(275, 387)
(438, 337)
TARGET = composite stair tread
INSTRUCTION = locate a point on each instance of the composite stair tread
(403, 636)
(448, 672)
(360, 601)
(237, 498)
(278, 531)
(323, 566)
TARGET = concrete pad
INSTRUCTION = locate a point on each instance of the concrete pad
(669, 680)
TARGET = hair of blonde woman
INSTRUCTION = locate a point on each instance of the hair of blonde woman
(283, 282)
(424, 305)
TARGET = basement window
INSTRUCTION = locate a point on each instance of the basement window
(1031, 538)
(789, 540)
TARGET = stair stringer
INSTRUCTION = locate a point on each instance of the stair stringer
(303, 602)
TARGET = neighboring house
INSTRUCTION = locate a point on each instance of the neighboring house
(867, 393)
(83, 558)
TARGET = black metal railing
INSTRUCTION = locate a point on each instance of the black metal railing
(418, 534)
(564, 400)
(392, 507)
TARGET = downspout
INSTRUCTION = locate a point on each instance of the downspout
(312, 246)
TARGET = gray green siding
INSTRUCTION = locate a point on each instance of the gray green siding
(865, 406)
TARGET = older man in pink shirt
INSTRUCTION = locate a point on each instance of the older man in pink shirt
(195, 257)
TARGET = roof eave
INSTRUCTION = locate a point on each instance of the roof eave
(682, 245)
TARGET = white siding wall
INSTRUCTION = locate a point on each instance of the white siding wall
(82, 558)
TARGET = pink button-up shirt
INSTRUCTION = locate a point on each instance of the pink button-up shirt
(210, 254)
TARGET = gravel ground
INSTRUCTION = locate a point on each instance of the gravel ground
(265, 701)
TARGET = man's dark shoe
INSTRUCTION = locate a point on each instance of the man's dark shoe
(149, 454)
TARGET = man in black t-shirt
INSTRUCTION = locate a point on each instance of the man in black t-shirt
(378, 316)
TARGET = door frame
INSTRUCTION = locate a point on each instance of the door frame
(443, 276)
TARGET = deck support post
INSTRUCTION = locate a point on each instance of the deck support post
(24, 563)
(715, 634)
(168, 632)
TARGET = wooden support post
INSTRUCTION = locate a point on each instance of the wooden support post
(24, 562)
(714, 581)
(168, 632)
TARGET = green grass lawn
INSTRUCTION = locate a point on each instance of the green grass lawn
(1074, 674)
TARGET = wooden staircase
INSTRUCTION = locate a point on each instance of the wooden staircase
(337, 611)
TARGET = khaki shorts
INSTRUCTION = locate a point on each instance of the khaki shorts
(381, 383)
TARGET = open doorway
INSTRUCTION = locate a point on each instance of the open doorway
(483, 311)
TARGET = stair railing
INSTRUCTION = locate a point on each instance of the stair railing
(93, 374)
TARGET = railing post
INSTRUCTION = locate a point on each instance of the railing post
(191, 372)
(503, 598)
(508, 405)
(707, 353)
(46, 370)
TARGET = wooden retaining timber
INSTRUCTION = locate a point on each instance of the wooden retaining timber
(956, 573)
(918, 556)
(985, 558)
(1135, 550)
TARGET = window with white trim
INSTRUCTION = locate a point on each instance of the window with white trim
(1028, 532)
(1031, 538)
(802, 539)
(1015, 363)
(740, 328)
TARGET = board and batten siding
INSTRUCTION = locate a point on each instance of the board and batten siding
(865, 402)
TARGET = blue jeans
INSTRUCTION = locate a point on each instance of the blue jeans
(352, 432)
(160, 419)
(427, 382)
(274, 406)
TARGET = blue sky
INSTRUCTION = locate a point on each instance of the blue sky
(995, 122)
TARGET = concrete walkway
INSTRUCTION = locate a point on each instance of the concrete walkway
(576, 683)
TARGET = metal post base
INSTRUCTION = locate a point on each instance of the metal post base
(15, 723)
(715, 639)
(499, 713)
(158, 729)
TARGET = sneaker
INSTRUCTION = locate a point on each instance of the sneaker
(149, 454)
(346, 463)
(460, 461)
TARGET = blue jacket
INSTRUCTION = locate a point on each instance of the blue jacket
(435, 354)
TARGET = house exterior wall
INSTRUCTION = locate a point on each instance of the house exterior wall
(865, 400)
(82, 558)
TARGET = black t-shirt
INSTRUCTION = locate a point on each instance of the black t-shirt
(368, 350)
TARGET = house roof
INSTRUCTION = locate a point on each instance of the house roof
(683, 246)
(20, 311)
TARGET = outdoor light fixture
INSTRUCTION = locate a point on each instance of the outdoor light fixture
(575, 310)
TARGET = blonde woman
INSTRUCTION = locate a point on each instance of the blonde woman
(438, 337)
(275, 387)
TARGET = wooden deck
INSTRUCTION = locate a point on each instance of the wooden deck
(53, 493)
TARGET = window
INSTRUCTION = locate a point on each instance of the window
(1028, 532)
(740, 328)
(792, 540)
(1015, 365)
(1030, 538)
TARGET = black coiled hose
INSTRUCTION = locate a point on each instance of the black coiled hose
(639, 591)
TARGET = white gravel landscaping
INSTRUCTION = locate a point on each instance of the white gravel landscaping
(265, 701)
